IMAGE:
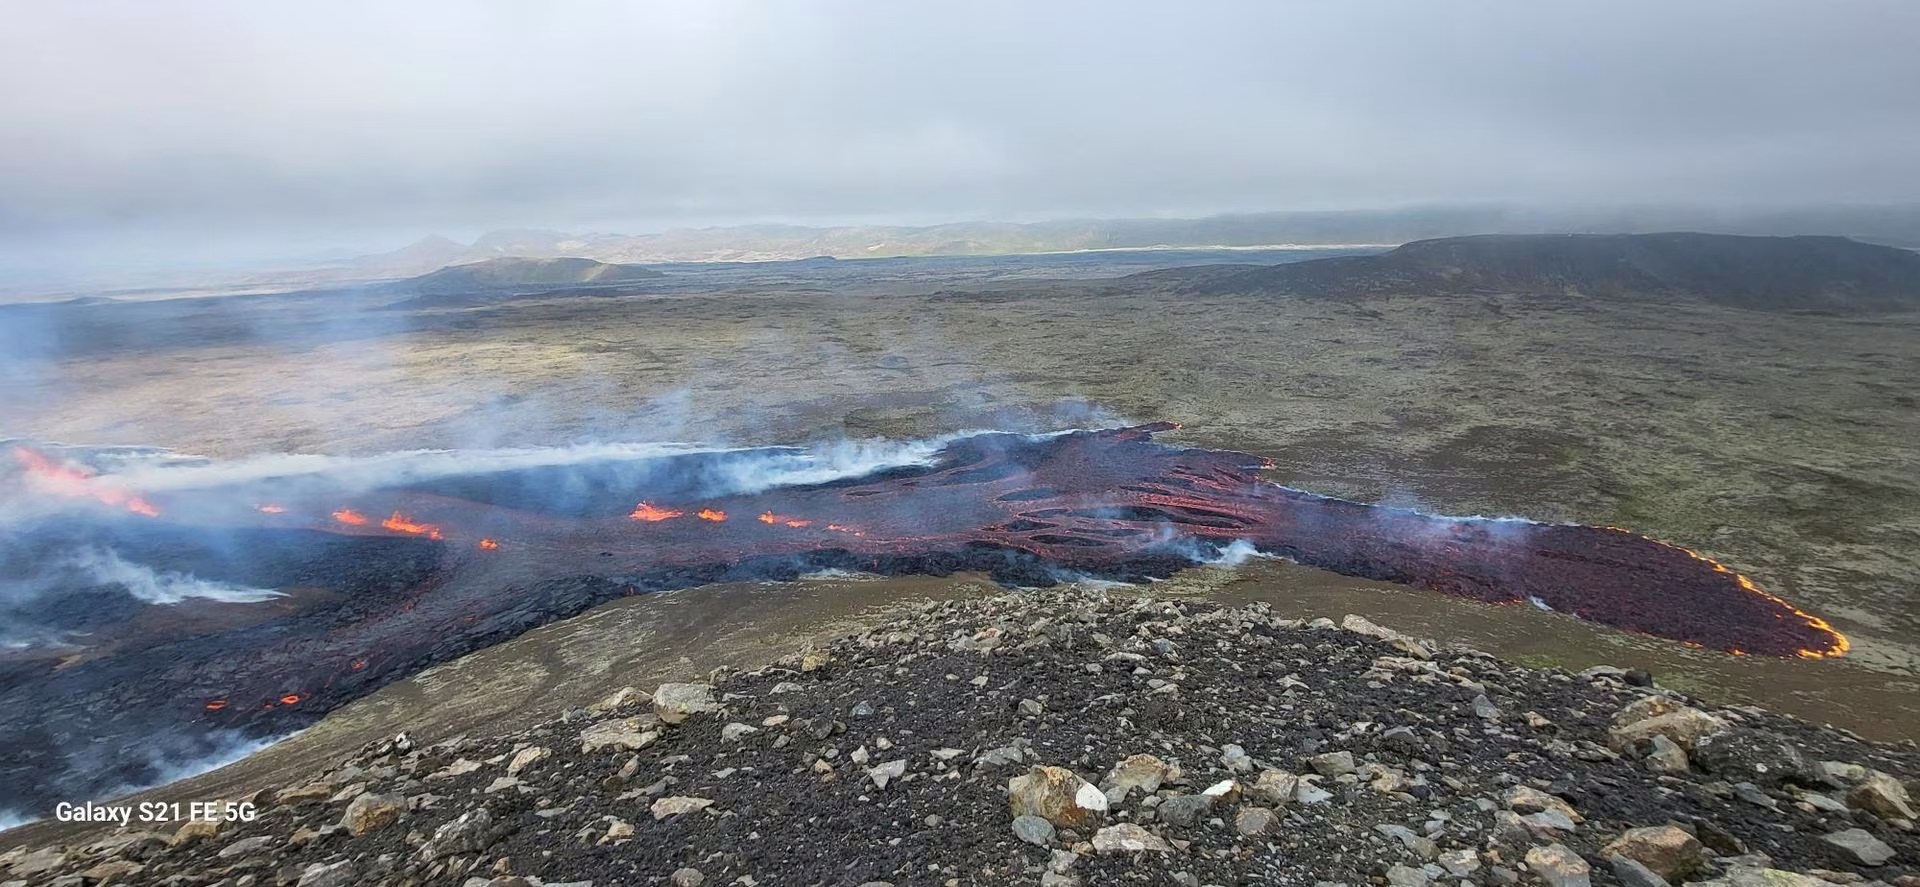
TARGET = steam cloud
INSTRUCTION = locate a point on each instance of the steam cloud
(104, 566)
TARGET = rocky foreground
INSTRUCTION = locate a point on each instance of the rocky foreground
(1068, 737)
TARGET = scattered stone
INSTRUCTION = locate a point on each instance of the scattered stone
(621, 734)
(1633, 874)
(1883, 796)
(1033, 830)
(1275, 788)
(1057, 795)
(1145, 773)
(1460, 863)
(887, 772)
(1183, 810)
(688, 877)
(1527, 799)
(1128, 838)
(470, 832)
(1485, 709)
(675, 703)
(1254, 822)
(1861, 846)
(678, 804)
(1559, 867)
(1666, 850)
(1666, 756)
(1659, 716)
(1407, 876)
(527, 757)
(1332, 763)
(371, 812)
(1746, 754)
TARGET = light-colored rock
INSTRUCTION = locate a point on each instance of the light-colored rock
(688, 877)
(1883, 796)
(882, 774)
(527, 757)
(1128, 838)
(1666, 850)
(193, 831)
(371, 812)
(737, 731)
(1527, 799)
(1255, 822)
(677, 804)
(675, 703)
(1667, 757)
(470, 832)
(1333, 763)
(619, 734)
(246, 846)
(1861, 846)
(339, 874)
(1559, 867)
(618, 830)
(1144, 773)
(619, 700)
(1754, 876)
(1274, 788)
(1653, 716)
(1056, 795)
(1460, 863)
(1407, 876)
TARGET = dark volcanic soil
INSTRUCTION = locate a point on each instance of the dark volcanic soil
(1355, 756)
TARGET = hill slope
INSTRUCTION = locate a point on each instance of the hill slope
(1767, 273)
(510, 273)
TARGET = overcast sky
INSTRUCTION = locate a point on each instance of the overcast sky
(232, 125)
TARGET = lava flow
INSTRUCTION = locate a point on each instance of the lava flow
(477, 560)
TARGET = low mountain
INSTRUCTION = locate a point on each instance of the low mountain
(493, 278)
(1802, 273)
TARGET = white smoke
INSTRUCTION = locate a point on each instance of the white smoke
(1238, 552)
(103, 566)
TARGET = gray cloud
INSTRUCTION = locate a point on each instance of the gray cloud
(243, 124)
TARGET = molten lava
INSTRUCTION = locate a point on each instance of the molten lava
(1026, 510)
(45, 475)
(647, 511)
(401, 523)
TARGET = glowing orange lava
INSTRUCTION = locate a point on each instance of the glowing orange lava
(489, 545)
(712, 514)
(290, 699)
(1840, 644)
(647, 511)
(769, 517)
(350, 517)
(400, 523)
(49, 476)
(216, 705)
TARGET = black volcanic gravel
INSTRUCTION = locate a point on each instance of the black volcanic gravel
(1112, 677)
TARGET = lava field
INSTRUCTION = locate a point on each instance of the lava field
(424, 572)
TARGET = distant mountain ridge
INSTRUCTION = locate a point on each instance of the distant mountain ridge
(1800, 273)
(490, 276)
(1896, 225)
